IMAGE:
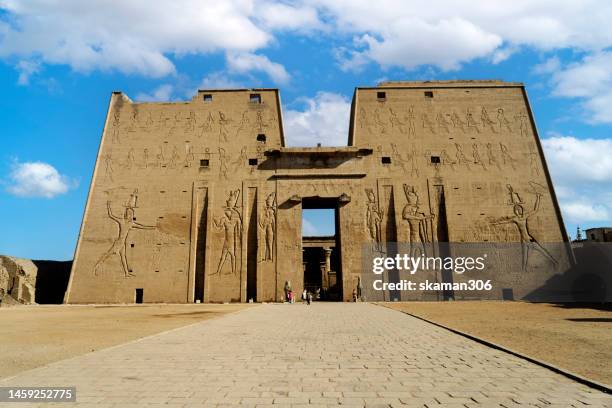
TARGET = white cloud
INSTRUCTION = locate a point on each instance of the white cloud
(581, 212)
(324, 120)
(37, 179)
(159, 94)
(549, 66)
(144, 36)
(446, 33)
(309, 229)
(590, 80)
(582, 173)
(219, 80)
(129, 36)
(277, 15)
(26, 69)
(244, 62)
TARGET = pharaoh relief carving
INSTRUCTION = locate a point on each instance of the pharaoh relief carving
(116, 127)
(534, 161)
(506, 156)
(457, 122)
(231, 225)
(223, 128)
(427, 123)
(374, 217)
(380, 122)
(108, 165)
(471, 122)
(410, 118)
(523, 123)
(502, 122)
(520, 219)
(443, 123)
(395, 122)
(486, 120)
(223, 161)
(207, 125)
(420, 224)
(461, 159)
(267, 223)
(364, 123)
(491, 156)
(243, 125)
(127, 223)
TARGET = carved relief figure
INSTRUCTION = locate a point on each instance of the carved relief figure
(418, 222)
(476, 156)
(534, 162)
(506, 157)
(108, 165)
(486, 120)
(491, 156)
(523, 123)
(243, 124)
(502, 121)
(520, 219)
(190, 124)
(395, 122)
(260, 123)
(442, 122)
(364, 123)
(380, 123)
(457, 122)
(223, 124)
(267, 223)
(133, 121)
(189, 156)
(223, 159)
(174, 159)
(231, 225)
(159, 157)
(447, 160)
(207, 125)
(410, 117)
(126, 223)
(131, 160)
(116, 130)
(241, 160)
(145, 158)
(461, 159)
(471, 122)
(427, 123)
(374, 217)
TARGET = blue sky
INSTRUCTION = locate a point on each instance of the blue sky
(60, 60)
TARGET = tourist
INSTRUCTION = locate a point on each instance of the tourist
(304, 295)
(355, 295)
(309, 298)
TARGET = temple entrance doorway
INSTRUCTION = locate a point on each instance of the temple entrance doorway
(321, 248)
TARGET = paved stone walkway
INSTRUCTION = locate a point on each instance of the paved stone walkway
(321, 355)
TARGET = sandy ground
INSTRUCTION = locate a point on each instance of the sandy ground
(32, 336)
(577, 339)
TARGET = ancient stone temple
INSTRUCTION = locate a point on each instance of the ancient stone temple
(202, 200)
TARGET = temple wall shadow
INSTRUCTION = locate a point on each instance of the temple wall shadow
(52, 281)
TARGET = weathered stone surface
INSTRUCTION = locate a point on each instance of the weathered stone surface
(17, 280)
(202, 200)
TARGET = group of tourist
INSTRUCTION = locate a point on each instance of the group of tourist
(290, 295)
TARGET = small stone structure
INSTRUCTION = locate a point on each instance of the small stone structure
(17, 280)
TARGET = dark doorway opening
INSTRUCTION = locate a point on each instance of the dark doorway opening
(139, 295)
(321, 260)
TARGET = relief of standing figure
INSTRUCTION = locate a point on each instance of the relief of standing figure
(374, 217)
(126, 224)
